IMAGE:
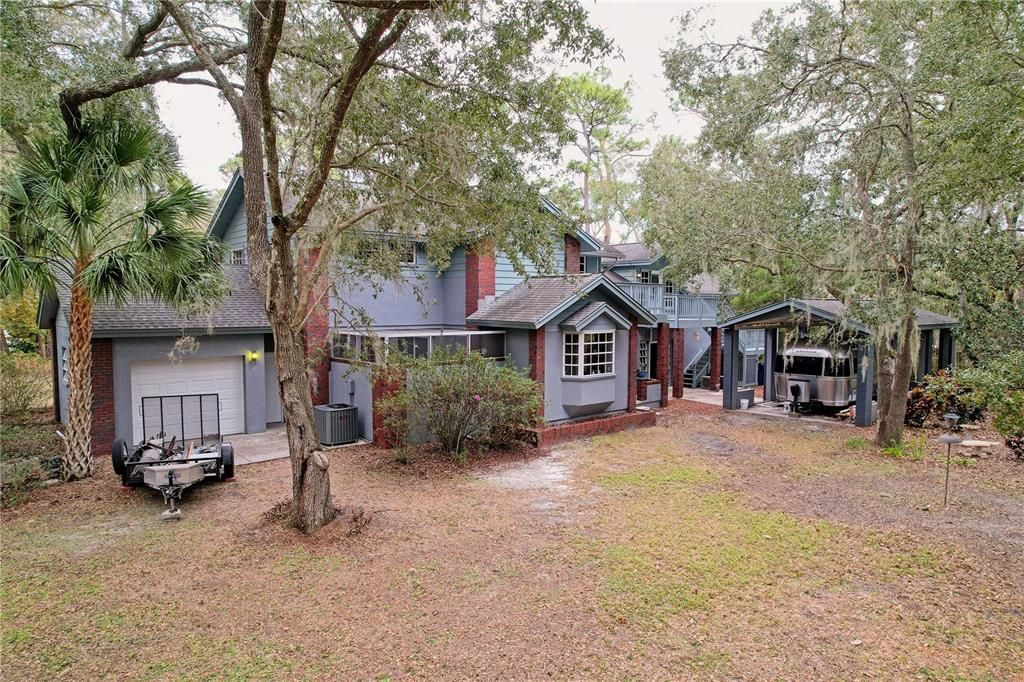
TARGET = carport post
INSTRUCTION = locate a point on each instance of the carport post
(865, 384)
(770, 339)
(947, 349)
(924, 354)
(730, 363)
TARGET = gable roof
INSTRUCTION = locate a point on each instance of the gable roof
(828, 310)
(583, 317)
(535, 302)
(241, 311)
(233, 196)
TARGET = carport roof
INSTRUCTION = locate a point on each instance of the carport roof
(241, 311)
(826, 310)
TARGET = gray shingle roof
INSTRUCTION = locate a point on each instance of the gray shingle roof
(529, 301)
(831, 308)
(634, 252)
(241, 310)
(533, 302)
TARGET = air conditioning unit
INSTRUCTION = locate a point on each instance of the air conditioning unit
(337, 423)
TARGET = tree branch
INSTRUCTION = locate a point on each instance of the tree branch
(142, 33)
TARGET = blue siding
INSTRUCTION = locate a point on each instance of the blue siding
(506, 276)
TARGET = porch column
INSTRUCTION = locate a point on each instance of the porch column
(634, 358)
(730, 369)
(677, 363)
(536, 360)
(716, 358)
(947, 349)
(770, 342)
(924, 355)
(663, 353)
(865, 385)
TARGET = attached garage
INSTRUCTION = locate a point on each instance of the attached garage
(222, 376)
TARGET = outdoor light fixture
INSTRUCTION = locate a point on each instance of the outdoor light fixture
(950, 439)
(252, 355)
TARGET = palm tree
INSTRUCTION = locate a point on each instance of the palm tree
(107, 213)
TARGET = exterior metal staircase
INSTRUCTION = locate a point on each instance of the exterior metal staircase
(698, 368)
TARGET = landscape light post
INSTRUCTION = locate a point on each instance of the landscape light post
(950, 439)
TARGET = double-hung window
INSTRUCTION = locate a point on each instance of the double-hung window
(588, 354)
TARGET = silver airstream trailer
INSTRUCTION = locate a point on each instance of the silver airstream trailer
(806, 374)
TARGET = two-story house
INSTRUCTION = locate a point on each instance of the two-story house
(597, 328)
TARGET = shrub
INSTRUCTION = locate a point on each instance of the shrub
(458, 398)
(1000, 385)
(24, 383)
(950, 394)
(920, 406)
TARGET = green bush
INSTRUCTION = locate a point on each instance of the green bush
(459, 398)
(949, 393)
(1000, 386)
(920, 406)
(25, 383)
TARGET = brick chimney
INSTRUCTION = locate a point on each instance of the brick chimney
(480, 275)
(572, 254)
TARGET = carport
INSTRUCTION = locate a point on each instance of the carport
(937, 347)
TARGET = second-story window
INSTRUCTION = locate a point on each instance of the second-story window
(583, 263)
(237, 257)
(670, 288)
(645, 277)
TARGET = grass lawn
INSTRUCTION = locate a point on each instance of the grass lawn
(710, 546)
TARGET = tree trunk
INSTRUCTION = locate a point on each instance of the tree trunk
(76, 461)
(311, 482)
(890, 425)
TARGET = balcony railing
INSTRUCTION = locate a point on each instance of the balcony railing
(677, 306)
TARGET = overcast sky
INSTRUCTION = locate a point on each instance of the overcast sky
(208, 134)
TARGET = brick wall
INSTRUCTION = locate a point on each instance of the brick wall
(480, 275)
(558, 433)
(536, 360)
(663, 354)
(715, 376)
(572, 254)
(102, 396)
(384, 385)
(677, 363)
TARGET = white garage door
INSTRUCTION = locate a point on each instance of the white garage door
(222, 376)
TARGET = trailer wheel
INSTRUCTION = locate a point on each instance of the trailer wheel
(227, 461)
(118, 456)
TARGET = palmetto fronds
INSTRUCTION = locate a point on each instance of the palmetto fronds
(108, 214)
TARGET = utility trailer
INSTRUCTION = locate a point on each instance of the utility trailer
(181, 446)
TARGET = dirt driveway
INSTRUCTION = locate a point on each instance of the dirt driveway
(710, 546)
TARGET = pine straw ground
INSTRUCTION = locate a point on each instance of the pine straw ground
(710, 546)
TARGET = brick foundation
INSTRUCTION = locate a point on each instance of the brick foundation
(663, 354)
(559, 433)
(480, 275)
(102, 396)
(677, 363)
(536, 360)
(634, 349)
(715, 376)
(572, 254)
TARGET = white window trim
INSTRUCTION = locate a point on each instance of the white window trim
(644, 276)
(581, 355)
(241, 256)
(384, 339)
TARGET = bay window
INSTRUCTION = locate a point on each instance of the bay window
(588, 354)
